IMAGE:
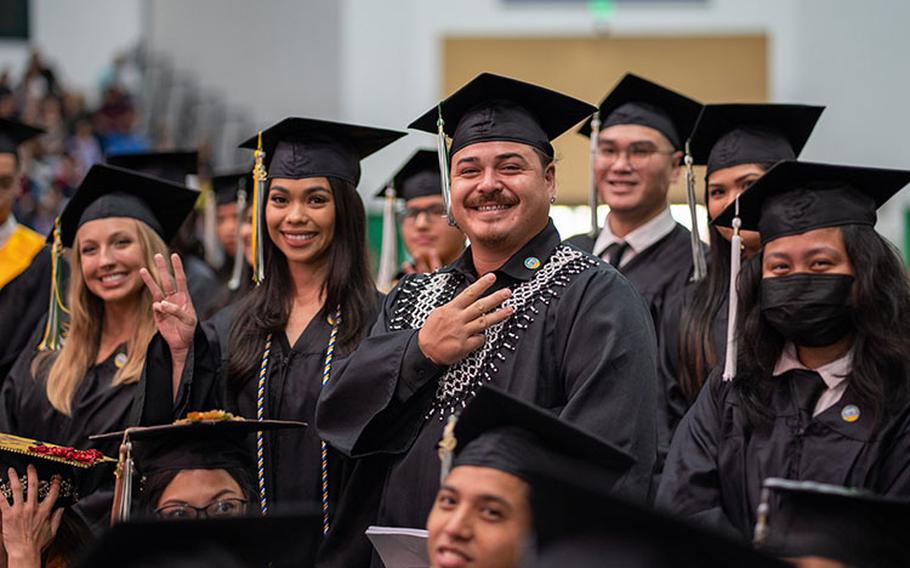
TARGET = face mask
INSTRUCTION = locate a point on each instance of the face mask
(812, 310)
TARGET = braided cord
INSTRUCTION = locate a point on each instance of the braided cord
(326, 373)
(260, 415)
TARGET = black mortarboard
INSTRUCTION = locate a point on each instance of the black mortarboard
(227, 185)
(491, 107)
(795, 197)
(109, 191)
(13, 133)
(733, 134)
(208, 440)
(49, 460)
(172, 166)
(418, 177)
(635, 100)
(298, 148)
(580, 524)
(276, 540)
(500, 431)
(855, 527)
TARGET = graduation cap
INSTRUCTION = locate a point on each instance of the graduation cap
(418, 177)
(492, 107)
(203, 440)
(580, 524)
(110, 191)
(795, 197)
(14, 133)
(279, 541)
(298, 148)
(173, 166)
(227, 185)
(635, 100)
(855, 527)
(732, 134)
(499, 431)
(49, 460)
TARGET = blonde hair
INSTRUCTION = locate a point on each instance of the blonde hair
(80, 349)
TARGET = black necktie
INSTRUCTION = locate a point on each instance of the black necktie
(809, 386)
(615, 252)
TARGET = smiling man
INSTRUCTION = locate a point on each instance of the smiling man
(639, 149)
(542, 320)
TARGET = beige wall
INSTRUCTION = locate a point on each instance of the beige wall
(709, 69)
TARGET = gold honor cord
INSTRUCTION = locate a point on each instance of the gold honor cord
(592, 196)
(260, 179)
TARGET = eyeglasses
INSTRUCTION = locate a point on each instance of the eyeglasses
(411, 214)
(218, 509)
(637, 155)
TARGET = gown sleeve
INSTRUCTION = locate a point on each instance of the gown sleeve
(374, 402)
(690, 484)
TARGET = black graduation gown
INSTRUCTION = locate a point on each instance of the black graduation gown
(293, 457)
(716, 465)
(584, 349)
(659, 272)
(23, 303)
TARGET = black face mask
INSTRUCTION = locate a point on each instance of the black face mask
(812, 310)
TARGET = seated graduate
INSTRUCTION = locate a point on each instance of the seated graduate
(39, 483)
(428, 237)
(482, 514)
(815, 525)
(276, 541)
(203, 465)
(820, 385)
(578, 524)
(63, 390)
(271, 353)
(737, 143)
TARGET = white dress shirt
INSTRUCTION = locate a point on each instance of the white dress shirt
(834, 374)
(639, 240)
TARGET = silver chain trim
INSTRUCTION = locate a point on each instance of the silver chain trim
(420, 295)
(67, 489)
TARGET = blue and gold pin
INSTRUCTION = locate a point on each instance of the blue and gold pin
(850, 413)
(532, 263)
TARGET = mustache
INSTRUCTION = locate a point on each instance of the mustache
(497, 198)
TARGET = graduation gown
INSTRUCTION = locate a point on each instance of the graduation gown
(23, 303)
(292, 457)
(659, 272)
(581, 346)
(716, 465)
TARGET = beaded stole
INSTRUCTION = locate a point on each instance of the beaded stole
(421, 294)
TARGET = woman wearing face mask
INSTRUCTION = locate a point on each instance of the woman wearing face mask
(738, 143)
(271, 351)
(86, 382)
(822, 380)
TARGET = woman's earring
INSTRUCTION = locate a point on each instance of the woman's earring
(552, 199)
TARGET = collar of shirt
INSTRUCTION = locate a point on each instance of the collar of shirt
(7, 229)
(639, 239)
(834, 374)
(522, 265)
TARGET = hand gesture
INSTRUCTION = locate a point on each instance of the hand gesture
(173, 309)
(29, 526)
(455, 329)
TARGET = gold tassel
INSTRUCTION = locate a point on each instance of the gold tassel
(260, 179)
(447, 446)
(56, 327)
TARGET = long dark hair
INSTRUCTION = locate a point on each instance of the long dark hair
(266, 308)
(154, 485)
(697, 355)
(881, 337)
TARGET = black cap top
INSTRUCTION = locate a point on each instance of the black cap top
(227, 185)
(49, 460)
(418, 177)
(580, 524)
(206, 440)
(14, 133)
(856, 528)
(109, 191)
(795, 197)
(491, 107)
(172, 166)
(734, 134)
(298, 148)
(499, 431)
(279, 541)
(635, 100)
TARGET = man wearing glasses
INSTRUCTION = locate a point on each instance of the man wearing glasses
(18, 243)
(639, 150)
